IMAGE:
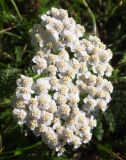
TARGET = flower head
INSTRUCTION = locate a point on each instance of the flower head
(60, 104)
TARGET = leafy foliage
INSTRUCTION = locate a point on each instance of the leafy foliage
(16, 18)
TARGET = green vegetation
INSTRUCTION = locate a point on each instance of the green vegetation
(105, 18)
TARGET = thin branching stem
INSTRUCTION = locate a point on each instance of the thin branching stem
(7, 29)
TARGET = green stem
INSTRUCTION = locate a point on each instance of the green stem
(36, 76)
(107, 150)
(32, 146)
(12, 34)
(92, 17)
(16, 9)
(19, 151)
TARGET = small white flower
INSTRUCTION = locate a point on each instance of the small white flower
(20, 104)
(108, 71)
(41, 64)
(73, 99)
(33, 102)
(44, 101)
(90, 102)
(64, 110)
(46, 118)
(20, 114)
(35, 112)
(62, 66)
(56, 123)
(68, 135)
(99, 82)
(23, 92)
(92, 122)
(52, 59)
(42, 85)
(108, 86)
(54, 82)
(66, 80)
(91, 81)
(52, 69)
(87, 137)
(102, 105)
(99, 69)
(42, 128)
(61, 99)
(94, 59)
(25, 81)
(53, 107)
(79, 31)
(63, 89)
(64, 55)
(32, 124)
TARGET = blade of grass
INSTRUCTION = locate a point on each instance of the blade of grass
(12, 34)
(95, 30)
(3, 8)
(16, 9)
(6, 101)
(1, 144)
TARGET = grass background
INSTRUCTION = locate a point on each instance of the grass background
(107, 19)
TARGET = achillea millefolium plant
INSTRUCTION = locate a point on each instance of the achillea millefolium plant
(62, 102)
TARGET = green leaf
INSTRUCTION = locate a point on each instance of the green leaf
(99, 131)
(0, 143)
(18, 52)
(17, 152)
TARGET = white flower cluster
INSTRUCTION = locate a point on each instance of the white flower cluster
(59, 106)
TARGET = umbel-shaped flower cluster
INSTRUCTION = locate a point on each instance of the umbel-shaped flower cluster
(60, 105)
